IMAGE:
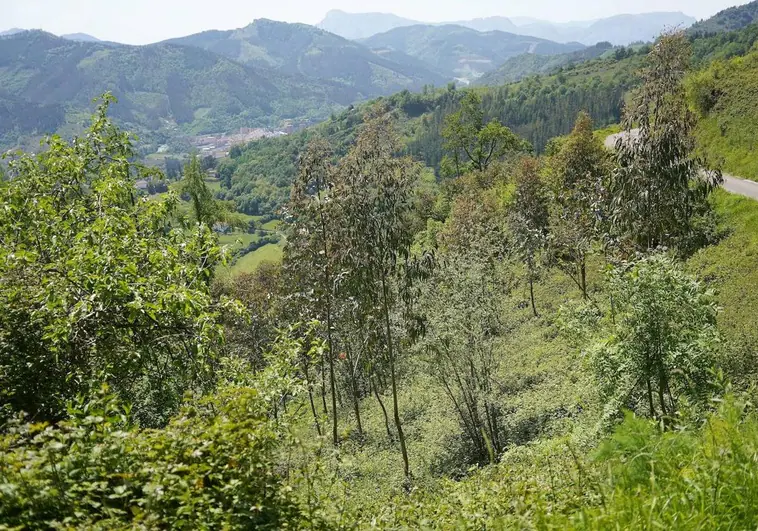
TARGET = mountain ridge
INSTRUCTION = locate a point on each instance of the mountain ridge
(638, 27)
(463, 52)
(315, 53)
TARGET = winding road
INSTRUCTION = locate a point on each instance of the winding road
(735, 185)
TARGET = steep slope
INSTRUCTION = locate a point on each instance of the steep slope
(528, 64)
(731, 19)
(160, 87)
(362, 25)
(726, 95)
(308, 51)
(462, 52)
(18, 116)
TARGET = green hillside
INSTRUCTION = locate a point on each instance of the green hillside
(725, 94)
(731, 19)
(163, 89)
(259, 175)
(462, 52)
(529, 64)
(299, 49)
(454, 308)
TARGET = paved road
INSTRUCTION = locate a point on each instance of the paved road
(732, 184)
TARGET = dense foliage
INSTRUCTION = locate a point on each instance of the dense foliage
(98, 283)
(533, 340)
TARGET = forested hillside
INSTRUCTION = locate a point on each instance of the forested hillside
(517, 341)
(299, 49)
(462, 52)
(481, 315)
(258, 176)
(538, 109)
(160, 87)
(731, 19)
(529, 64)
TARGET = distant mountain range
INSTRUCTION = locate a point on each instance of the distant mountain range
(462, 52)
(270, 74)
(79, 37)
(215, 81)
(618, 30)
(163, 89)
(299, 49)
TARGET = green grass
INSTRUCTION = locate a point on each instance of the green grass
(272, 225)
(214, 185)
(237, 240)
(731, 269)
(728, 132)
(250, 262)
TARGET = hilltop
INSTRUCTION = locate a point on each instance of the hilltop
(299, 49)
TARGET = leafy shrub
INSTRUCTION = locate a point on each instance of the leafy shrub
(211, 467)
(97, 281)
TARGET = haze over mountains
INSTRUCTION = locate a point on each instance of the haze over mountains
(620, 29)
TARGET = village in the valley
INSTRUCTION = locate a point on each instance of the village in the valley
(219, 145)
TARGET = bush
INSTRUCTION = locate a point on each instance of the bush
(211, 467)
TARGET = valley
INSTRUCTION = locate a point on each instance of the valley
(379, 273)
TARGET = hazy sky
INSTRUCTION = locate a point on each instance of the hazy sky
(144, 21)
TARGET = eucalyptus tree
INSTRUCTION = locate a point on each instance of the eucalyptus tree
(377, 200)
(472, 143)
(205, 208)
(660, 186)
(100, 285)
(529, 220)
(311, 260)
(580, 170)
(462, 304)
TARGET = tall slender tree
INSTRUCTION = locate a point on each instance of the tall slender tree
(377, 195)
(471, 142)
(529, 220)
(310, 258)
(661, 186)
(580, 169)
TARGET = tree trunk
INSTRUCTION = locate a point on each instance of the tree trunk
(310, 399)
(583, 270)
(531, 295)
(323, 389)
(356, 398)
(384, 409)
(650, 398)
(328, 288)
(661, 397)
(393, 379)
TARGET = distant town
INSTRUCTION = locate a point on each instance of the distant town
(219, 145)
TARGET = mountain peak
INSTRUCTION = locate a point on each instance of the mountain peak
(80, 37)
